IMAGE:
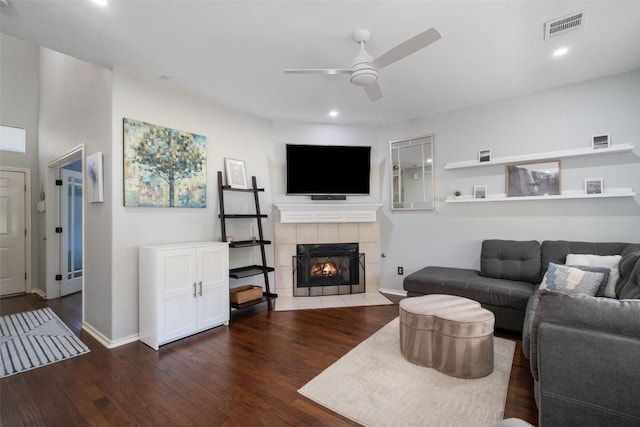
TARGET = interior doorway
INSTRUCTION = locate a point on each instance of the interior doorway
(70, 203)
(65, 213)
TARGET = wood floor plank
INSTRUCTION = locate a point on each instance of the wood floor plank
(244, 374)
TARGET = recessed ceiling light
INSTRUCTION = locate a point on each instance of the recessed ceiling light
(561, 51)
(333, 113)
(100, 2)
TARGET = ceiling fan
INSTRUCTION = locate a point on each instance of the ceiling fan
(364, 71)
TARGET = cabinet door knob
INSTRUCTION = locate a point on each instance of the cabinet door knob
(194, 289)
(200, 287)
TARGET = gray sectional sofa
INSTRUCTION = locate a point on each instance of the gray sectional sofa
(583, 350)
(510, 272)
(508, 275)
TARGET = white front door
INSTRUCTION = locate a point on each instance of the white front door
(13, 239)
(71, 238)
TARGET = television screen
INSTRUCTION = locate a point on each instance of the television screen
(328, 169)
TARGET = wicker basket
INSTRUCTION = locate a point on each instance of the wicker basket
(246, 293)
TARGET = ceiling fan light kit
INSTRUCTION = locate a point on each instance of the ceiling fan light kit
(364, 71)
(363, 74)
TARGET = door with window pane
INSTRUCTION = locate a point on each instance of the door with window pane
(71, 239)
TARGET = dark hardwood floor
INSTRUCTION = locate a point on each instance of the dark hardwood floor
(246, 374)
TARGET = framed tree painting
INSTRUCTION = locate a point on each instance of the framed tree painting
(163, 167)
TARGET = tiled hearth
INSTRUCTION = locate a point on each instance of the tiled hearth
(287, 236)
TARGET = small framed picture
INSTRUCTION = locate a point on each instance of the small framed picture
(235, 173)
(95, 190)
(599, 142)
(479, 191)
(593, 186)
(484, 155)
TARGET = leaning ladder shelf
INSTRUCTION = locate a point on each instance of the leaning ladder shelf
(250, 270)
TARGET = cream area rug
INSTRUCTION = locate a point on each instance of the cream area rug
(375, 386)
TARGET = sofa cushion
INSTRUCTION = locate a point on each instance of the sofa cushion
(605, 315)
(528, 319)
(628, 286)
(557, 250)
(511, 260)
(607, 261)
(564, 278)
(469, 284)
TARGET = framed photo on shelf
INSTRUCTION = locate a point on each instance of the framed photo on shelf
(479, 191)
(533, 179)
(598, 142)
(484, 155)
(593, 186)
(235, 173)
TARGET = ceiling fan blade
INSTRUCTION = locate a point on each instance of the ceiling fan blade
(373, 91)
(318, 71)
(406, 48)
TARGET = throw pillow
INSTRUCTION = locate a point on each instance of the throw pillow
(563, 278)
(605, 280)
(608, 261)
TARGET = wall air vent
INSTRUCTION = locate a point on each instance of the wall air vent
(559, 26)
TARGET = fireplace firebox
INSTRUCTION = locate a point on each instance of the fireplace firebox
(328, 269)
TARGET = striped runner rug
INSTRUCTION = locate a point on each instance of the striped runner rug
(35, 338)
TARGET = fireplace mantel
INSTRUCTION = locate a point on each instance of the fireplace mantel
(327, 212)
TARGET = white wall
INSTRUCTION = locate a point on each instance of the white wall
(562, 118)
(75, 109)
(19, 107)
(229, 134)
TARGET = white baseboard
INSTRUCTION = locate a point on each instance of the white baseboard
(125, 340)
(39, 292)
(393, 292)
(106, 341)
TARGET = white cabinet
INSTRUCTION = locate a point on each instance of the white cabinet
(184, 289)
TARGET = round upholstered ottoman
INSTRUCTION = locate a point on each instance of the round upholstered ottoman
(451, 334)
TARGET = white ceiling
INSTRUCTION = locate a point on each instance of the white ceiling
(234, 52)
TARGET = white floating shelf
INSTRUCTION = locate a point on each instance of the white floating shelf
(576, 194)
(577, 152)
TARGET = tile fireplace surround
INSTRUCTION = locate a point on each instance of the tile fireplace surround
(287, 236)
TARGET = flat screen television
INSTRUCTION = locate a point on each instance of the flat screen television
(328, 170)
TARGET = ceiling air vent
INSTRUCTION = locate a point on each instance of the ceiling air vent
(563, 25)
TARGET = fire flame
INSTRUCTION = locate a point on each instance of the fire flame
(324, 269)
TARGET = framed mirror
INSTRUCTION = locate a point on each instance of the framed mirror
(412, 179)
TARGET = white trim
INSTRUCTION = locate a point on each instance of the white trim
(39, 292)
(66, 158)
(327, 212)
(393, 292)
(27, 222)
(123, 341)
(96, 334)
(106, 342)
